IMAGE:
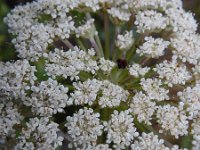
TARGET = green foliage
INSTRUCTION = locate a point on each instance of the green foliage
(7, 51)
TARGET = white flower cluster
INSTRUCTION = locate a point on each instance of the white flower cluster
(106, 65)
(112, 95)
(124, 42)
(84, 128)
(16, 77)
(150, 20)
(145, 142)
(9, 116)
(121, 129)
(99, 147)
(154, 90)
(102, 86)
(157, 4)
(70, 63)
(136, 70)
(186, 46)
(173, 119)
(92, 5)
(196, 134)
(87, 30)
(117, 13)
(153, 47)
(143, 107)
(47, 98)
(182, 21)
(173, 72)
(86, 92)
(39, 134)
(37, 39)
(120, 10)
(190, 98)
(108, 94)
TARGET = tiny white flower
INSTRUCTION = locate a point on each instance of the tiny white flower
(153, 89)
(120, 129)
(173, 72)
(136, 70)
(143, 107)
(149, 141)
(125, 41)
(84, 127)
(150, 20)
(173, 119)
(39, 133)
(153, 47)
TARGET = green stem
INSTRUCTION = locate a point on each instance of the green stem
(139, 126)
(99, 45)
(80, 43)
(96, 39)
(145, 61)
(84, 76)
(126, 80)
(94, 44)
(123, 76)
(68, 44)
(120, 54)
(107, 36)
(104, 114)
(115, 50)
(115, 75)
(130, 53)
(131, 22)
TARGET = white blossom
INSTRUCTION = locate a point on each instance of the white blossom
(39, 134)
(112, 95)
(190, 98)
(153, 47)
(106, 65)
(120, 14)
(48, 98)
(143, 107)
(149, 79)
(84, 128)
(125, 41)
(33, 42)
(9, 116)
(154, 89)
(86, 30)
(86, 92)
(196, 71)
(136, 70)
(120, 129)
(18, 20)
(181, 21)
(196, 134)
(99, 147)
(157, 4)
(70, 63)
(150, 20)
(64, 27)
(187, 46)
(84, 5)
(173, 72)
(16, 77)
(173, 119)
(149, 141)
